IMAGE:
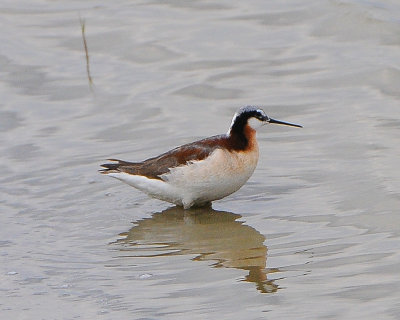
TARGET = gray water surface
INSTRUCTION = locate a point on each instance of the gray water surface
(314, 234)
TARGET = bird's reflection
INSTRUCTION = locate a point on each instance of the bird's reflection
(209, 234)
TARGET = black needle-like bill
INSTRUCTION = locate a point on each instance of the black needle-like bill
(285, 123)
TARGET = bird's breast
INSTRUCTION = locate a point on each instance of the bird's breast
(221, 169)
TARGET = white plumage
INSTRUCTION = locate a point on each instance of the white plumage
(199, 182)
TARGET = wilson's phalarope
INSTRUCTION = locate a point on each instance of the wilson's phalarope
(202, 171)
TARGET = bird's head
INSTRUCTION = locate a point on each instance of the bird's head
(254, 117)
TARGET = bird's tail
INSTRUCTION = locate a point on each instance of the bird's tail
(113, 167)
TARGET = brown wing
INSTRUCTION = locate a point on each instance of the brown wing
(154, 167)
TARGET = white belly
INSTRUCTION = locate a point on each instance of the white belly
(199, 182)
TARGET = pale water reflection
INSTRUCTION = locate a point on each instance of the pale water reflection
(210, 235)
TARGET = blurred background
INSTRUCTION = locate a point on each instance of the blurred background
(314, 233)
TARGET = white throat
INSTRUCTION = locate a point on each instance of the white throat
(255, 123)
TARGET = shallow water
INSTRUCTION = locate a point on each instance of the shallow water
(314, 233)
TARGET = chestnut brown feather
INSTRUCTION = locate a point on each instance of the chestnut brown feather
(153, 168)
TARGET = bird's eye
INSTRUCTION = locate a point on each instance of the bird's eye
(260, 117)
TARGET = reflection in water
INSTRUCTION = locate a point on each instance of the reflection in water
(210, 234)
